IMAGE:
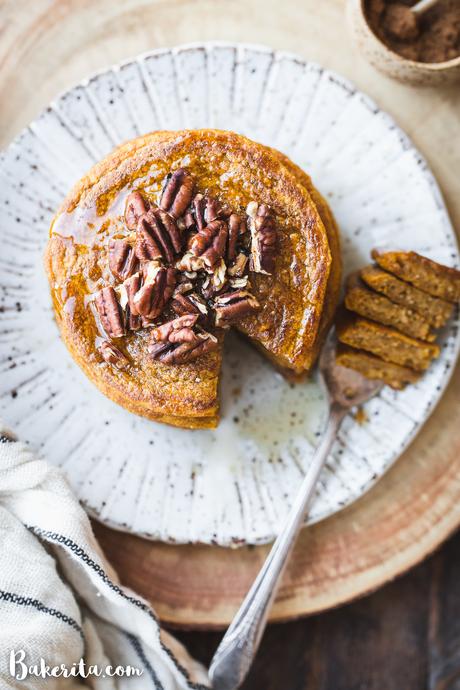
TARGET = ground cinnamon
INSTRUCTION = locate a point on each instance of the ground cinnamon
(432, 37)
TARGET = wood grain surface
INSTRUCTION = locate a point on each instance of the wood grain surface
(48, 45)
(406, 636)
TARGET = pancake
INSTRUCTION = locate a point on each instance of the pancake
(296, 300)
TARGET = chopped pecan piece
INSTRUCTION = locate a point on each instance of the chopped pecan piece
(198, 302)
(122, 259)
(177, 193)
(158, 350)
(239, 267)
(109, 312)
(113, 355)
(219, 275)
(210, 243)
(182, 305)
(238, 283)
(236, 227)
(233, 306)
(215, 283)
(189, 264)
(156, 291)
(136, 206)
(263, 238)
(183, 286)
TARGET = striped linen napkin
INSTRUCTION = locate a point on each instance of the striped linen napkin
(61, 605)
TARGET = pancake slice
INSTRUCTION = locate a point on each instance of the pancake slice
(425, 274)
(372, 367)
(379, 308)
(387, 343)
(436, 311)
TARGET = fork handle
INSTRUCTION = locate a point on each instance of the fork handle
(233, 658)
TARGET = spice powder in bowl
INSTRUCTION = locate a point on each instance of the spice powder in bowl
(431, 37)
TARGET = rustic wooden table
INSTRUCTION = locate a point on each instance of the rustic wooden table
(407, 635)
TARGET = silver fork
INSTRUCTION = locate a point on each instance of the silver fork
(230, 664)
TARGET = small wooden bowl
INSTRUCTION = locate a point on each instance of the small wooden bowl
(391, 63)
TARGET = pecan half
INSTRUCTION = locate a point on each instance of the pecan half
(215, 210)
(112, 355)
(126, 292)
(122, 259)
(178, 330)
(199, 208)
(233, 306)
(210, 242)
(182, 353)
(109, 312)
(131, 287)
(236, 227)
(156, 291)
(168, 223)
(132, 321)
(189, 304)
(189, 221)
(263, 238)
(205, 209)
(157, 237)
(136, 206)
(177, 193)
(146, 247)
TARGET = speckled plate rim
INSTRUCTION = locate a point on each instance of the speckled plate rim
(349, 86)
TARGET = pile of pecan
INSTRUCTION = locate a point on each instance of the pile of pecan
(183, 271)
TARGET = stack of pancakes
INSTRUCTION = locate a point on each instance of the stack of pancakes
(297, 301)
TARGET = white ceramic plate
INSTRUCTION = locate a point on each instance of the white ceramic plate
(235, 484)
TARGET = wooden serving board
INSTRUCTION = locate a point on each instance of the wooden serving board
(55, 43)
(402, 519)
